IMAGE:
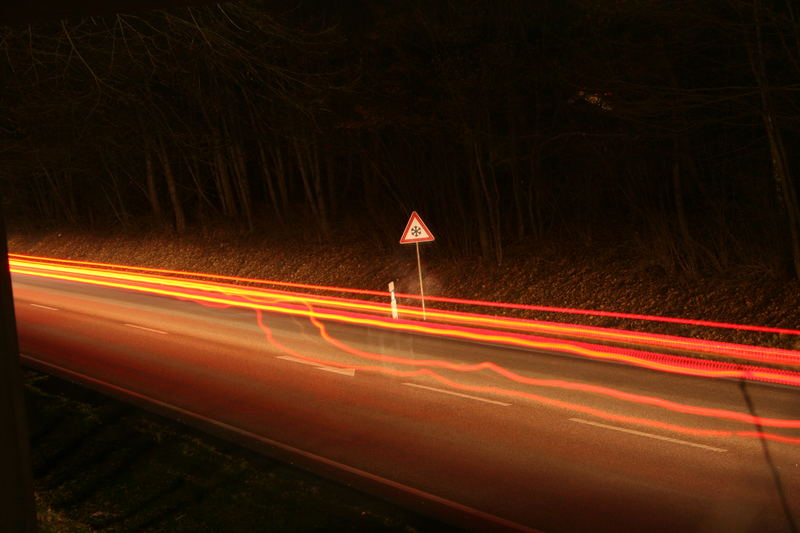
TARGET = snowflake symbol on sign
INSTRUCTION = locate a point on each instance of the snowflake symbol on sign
(415, 231)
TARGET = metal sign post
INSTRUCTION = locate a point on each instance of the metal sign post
(416, 232)
(421, 290)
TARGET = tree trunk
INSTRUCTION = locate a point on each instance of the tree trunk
(41, 193)
(687, 242)
(177, 208)
(224, 189)
(301, 167)
(308, 166)
(204, 204)
(242, 185)
(535, 197)
(62, 195)
(277, 207)
(17, 508)
(490, 232)
(152, 190)
(787, 197)
(478, 209)
(115, 202)
(517, 184)
(319, 193)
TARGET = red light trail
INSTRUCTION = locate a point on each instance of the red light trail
(425, 370)
(295, 304)
(750, 353)
(443, 299)
(198, 291)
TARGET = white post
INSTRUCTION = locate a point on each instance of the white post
(394, 301)
(421, 291)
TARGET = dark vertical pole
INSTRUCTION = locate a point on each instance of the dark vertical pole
(17, 511)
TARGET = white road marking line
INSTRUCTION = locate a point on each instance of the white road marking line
(147, 329)
(45, 307)
(343, 371)
(650, 435)
(296, 360)
(333, 369)
(445, 391)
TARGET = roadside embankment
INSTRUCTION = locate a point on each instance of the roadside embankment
(603, 277)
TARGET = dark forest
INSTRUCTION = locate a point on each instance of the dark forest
(668, 125)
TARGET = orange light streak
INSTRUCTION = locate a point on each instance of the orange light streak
(460, 301)
(750, 353)
(739, 351)
(665, 404)
(557, 383)
(316, 316)
(644, 359)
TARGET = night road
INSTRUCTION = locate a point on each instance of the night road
(594, 323)
(396, 414)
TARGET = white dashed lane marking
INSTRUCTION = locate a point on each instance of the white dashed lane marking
(648, 435)
(332, 369)
(151, 330)
(460, 394)
(40, 306)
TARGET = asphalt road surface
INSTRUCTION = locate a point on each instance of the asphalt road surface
(474, 448)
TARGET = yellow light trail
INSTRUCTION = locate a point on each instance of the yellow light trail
(649, 360)
(259, 300)
(739, 351)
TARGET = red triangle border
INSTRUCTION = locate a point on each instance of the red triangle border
(416, 218)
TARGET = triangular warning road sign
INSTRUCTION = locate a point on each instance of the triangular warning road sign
(416, 231)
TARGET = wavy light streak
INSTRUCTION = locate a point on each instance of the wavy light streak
(277, 302)
(461, 301)
(424, 369)
(649, 360)
(745, 352)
